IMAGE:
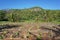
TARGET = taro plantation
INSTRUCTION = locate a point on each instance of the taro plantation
(34, 23)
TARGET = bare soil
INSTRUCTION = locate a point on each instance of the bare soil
(31, 31)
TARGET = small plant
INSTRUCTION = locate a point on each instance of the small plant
(11, 36)
(4, 32)
(16, 34)
(1, 36)
(39, 37)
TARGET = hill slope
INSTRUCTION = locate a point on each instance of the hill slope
(34, 13)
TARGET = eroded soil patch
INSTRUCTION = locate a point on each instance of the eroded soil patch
(30, 31)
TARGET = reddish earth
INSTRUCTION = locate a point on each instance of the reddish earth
(31, 31)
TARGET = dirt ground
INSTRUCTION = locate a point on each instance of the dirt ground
(32, 31)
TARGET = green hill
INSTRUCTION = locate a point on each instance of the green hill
(34, 13)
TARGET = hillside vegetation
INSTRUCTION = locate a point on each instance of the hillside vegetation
(34, 13)
(33, 23)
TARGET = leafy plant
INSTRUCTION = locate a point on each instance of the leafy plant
(1, 37)
(4, 32)
(16, 34)
(39, 37)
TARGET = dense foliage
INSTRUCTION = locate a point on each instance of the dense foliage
(35, 13)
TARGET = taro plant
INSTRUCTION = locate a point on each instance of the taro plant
(39, 37)
(11, 36)
(16, 34)
(1, 36)
(4, 33)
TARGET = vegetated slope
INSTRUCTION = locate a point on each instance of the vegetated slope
(34, 13)
(31, 31)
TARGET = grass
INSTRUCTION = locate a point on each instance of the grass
(31, 21)
(56, 22)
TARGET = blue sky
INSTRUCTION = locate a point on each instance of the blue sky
(19, 4)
